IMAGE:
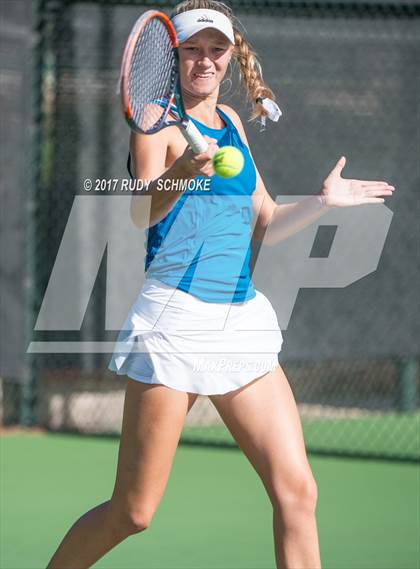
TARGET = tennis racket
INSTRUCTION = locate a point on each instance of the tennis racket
(149, 80)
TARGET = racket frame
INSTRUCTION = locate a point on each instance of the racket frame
(193, 136)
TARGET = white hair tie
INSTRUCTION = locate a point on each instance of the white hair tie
(273, 110)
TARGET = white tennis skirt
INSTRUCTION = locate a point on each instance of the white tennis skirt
(173, 338)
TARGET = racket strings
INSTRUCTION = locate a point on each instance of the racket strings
(152, 76)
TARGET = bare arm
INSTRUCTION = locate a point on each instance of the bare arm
(148, 154)
(148, 157)
(274, 221)
(277, 222)
(291, 218)
(335, 192)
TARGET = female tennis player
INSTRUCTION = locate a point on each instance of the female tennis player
(198, 301)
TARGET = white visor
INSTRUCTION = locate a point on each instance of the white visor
(189, 23)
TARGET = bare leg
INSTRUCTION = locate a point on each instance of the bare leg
(153, 419)
(296, 540)
(264, 420)
(90, 537)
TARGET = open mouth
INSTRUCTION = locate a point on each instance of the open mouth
(203, 75)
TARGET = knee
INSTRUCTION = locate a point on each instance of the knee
(297, 496)
(130, 521)
(138, 521)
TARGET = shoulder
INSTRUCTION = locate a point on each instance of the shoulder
(230, 112)
(236, 119)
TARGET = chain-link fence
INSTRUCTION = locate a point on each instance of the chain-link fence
(346, 78)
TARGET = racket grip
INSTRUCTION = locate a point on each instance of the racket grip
(194, 138)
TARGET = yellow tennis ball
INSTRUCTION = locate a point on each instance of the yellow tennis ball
(228, 162)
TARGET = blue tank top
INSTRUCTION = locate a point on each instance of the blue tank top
(203, 245)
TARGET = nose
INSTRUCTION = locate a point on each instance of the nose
(204, 61)
(203, 57)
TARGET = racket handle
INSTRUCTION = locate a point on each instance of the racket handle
(194, 137)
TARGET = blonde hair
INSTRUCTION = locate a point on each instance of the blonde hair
(250, 73)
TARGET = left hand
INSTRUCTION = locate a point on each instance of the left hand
(339, 192)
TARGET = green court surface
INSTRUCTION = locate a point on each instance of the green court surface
(375, 434)
(215, 513)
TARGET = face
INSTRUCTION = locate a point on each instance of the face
(204, 58)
